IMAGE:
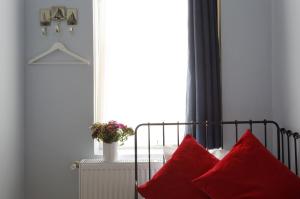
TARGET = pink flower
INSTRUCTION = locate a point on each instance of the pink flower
(121, 126)
(111, 132)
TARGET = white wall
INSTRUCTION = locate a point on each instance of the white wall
(59, 105)
(246, 59)
(286, 63)
(11, 100)
(246, 63)
(260, 61)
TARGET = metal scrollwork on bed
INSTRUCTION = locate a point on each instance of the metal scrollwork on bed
(284, 139)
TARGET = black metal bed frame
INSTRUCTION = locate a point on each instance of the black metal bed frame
(282, 136)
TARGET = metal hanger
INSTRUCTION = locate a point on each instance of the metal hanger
(58, 46)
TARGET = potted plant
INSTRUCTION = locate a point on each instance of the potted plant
(110, 134)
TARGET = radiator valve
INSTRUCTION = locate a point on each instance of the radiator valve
(75, 165)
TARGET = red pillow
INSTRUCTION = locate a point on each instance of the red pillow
(174, 179)
(249, 171)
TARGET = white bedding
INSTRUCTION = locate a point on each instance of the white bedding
(219, 153)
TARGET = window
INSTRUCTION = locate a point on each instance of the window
(140, 62)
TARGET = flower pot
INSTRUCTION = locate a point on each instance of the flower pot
(110, 151)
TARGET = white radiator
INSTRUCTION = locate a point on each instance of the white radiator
(103, 180)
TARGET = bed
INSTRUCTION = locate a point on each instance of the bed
(285, 147)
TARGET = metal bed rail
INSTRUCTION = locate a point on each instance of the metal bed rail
(281, 134)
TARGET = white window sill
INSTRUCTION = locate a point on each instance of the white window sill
(141, 158)
(127, 153)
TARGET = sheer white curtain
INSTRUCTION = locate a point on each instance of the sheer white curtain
(141, 63)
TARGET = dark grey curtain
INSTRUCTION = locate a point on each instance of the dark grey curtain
(203, 82)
